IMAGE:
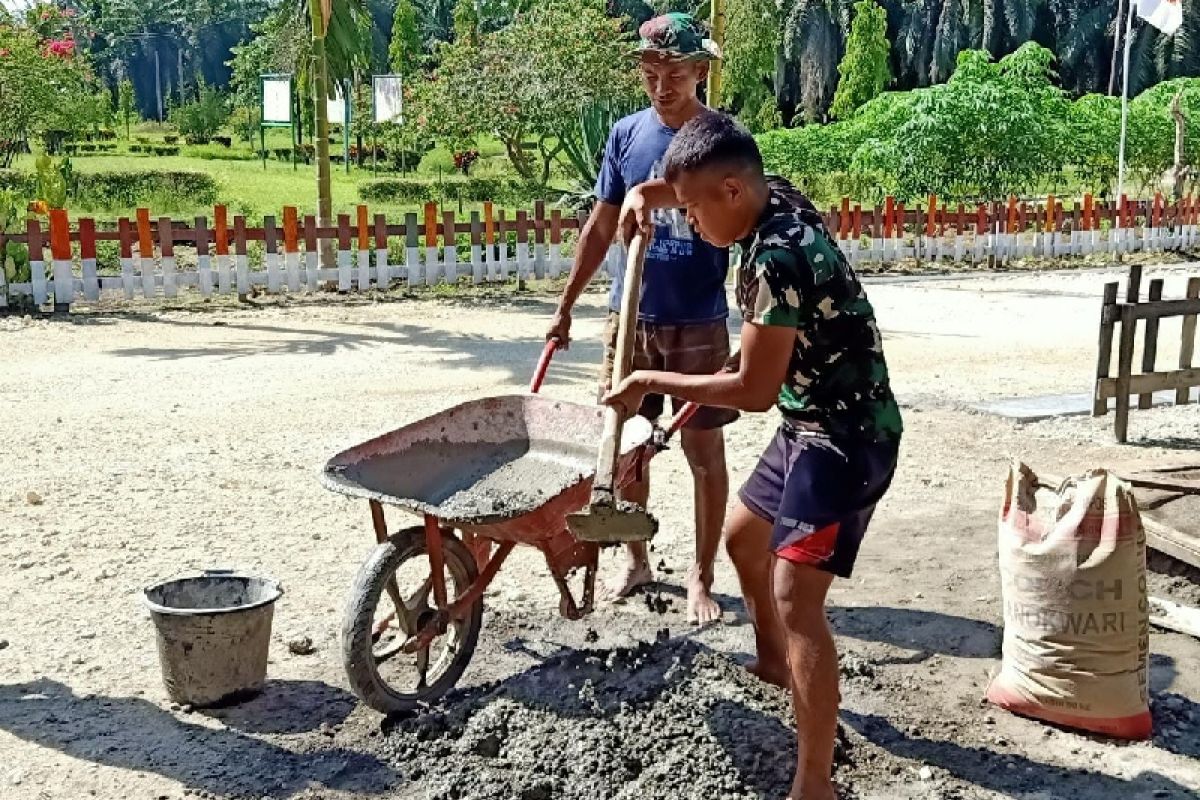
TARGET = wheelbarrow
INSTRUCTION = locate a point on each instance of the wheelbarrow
(485, 476)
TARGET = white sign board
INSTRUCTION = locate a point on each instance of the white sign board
(389, 100)
(336, 108)
(277, 100)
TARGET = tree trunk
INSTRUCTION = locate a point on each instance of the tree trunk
(1117, 32)
(1180, 171)
(321, 140)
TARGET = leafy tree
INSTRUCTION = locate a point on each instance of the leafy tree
(864, 69)
(126, 103)
(45, 89)
(751, 42)
(405, 53)
(526, 82)
(201, 119)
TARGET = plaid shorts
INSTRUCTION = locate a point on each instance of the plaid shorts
(700, 349)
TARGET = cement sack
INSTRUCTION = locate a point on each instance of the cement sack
(1076, 617)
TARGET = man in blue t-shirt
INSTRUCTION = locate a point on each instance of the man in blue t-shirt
(681, 318)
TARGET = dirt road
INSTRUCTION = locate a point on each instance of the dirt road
(142, 443)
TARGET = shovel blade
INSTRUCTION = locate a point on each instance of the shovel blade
(613, 523)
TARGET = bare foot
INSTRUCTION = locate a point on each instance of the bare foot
(768, 673)
(822, 790)
(632, 575)
(701, 608)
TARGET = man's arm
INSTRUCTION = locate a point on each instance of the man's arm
(594, 240)
(641, 200)
(765, 354)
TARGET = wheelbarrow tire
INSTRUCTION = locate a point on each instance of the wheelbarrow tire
(358, 621)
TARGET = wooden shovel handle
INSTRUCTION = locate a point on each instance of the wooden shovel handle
(610, 439)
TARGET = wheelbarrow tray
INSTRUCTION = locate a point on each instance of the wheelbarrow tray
(510, 467)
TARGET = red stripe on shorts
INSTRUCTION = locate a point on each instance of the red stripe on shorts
(814, 549)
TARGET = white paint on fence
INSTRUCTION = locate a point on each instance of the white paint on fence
(243, 273)
(476, 263)
(450, 262)
(431, 265)
(312, 270)
(364, 270)
(91, 282)
(383, 271)
(274, 279)
(412, 265)
(345, 282)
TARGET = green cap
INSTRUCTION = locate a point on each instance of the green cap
(678, 36)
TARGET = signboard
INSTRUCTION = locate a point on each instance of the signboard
(276, 100)
(336, 108)
(388, 98)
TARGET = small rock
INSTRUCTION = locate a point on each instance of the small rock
(301, 646)
(989, 720)
(591, 637)
(3, 643)
(33, 498)
(926, 773)
(488, 746)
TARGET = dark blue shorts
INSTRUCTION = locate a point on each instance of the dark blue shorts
(819, 494)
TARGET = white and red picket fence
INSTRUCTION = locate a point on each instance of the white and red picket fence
(159, 257)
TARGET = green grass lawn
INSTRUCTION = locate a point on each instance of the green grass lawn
(254, 189)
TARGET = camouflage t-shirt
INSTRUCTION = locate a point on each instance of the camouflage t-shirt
(792, 274)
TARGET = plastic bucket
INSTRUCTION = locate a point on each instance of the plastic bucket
(214, 630)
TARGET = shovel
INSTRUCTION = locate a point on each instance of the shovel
(607, 519)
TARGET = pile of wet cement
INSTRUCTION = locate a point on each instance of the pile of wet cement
(670, 719)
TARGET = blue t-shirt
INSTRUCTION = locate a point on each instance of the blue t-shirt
(684, 278)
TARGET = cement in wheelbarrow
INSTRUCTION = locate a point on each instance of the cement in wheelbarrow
(483, 461)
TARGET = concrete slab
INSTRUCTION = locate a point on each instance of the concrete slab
(1032, 409)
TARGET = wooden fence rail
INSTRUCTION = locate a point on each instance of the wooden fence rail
(227, 255)
(1149, 380)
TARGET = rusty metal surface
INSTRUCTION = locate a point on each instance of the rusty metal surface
(509, 467)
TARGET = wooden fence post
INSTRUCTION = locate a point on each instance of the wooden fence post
(312, 253)
(449, 247)
(221, 247)
(203, 259)
(1108, 324)
(145, 252)
(431, 253)
(60, 259)
(87, 259)
(125, 248)
(345, 278)
(291, 249)
(383, 270)
(271, 254)
(364, 249)
(1187, 344)
(1150, 342)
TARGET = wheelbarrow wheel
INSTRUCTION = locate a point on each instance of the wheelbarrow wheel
(381, 670)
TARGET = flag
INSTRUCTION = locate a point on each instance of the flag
(1166, 15)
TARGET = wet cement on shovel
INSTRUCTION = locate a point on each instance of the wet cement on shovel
(663, 720)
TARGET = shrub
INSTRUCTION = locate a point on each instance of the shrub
(171, 139)
(475, 190)
(132, 188)
(224, 141)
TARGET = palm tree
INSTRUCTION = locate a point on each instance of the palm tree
(340, 44)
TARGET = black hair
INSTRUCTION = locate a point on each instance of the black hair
(712, 139)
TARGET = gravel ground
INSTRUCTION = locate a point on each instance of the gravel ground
(144, 442)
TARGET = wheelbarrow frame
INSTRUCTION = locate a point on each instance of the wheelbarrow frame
(563, 552)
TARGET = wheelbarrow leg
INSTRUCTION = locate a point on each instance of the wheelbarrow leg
(564, 554)
(393, 590)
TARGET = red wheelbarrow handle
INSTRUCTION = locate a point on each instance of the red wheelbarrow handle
(539, 374)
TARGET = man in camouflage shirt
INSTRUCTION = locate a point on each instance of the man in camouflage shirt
(811, 347)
